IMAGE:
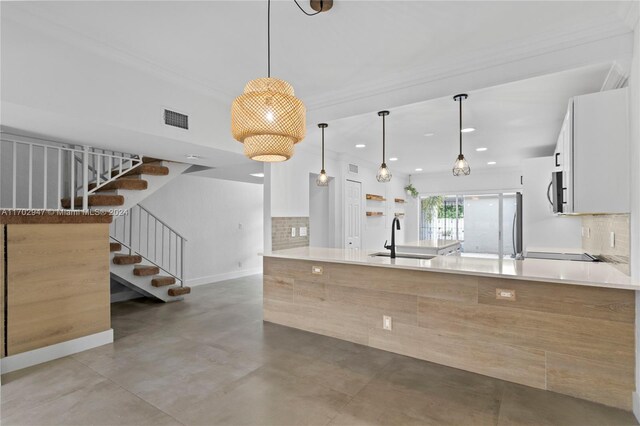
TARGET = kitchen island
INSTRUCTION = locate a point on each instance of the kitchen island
(434, 247)
(557, 325)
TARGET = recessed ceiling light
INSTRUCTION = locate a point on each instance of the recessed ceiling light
(468, 130)
(393, 159)
(258, 175)
(192, 156)
(360, 145)
(418, 170)
(481, 149)
(429, 134)
(491, 163)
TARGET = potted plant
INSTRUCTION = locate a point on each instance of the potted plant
(411, 191)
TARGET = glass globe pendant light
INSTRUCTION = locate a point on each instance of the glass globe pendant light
(383, 175)
(267, 118)
(461, 166)
(322, 179)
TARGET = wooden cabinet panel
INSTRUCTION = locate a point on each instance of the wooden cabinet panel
(552, 336)
(58, 283)
(587, 302)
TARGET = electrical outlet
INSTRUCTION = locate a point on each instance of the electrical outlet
(505, 294)
(293, 232)
(303, 231)
(240, 226)
(612, 239)
(239, 264)
(387, 322)
(316, 270)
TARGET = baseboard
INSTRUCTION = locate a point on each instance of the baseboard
(222, 277)
(59, 350)
(636, 405)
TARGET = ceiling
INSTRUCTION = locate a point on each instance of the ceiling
(222, 44)
(513, 121)
(356, 51)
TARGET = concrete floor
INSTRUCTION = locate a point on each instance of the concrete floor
(210, 360)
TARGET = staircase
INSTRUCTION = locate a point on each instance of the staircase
(81, 178)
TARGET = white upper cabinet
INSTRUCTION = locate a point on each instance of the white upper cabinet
(593, 153)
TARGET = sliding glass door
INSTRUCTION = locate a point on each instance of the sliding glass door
(483, 223)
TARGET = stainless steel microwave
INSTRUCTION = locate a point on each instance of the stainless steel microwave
(555, 192)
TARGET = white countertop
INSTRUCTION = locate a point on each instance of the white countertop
(594, 274)
(434, 244)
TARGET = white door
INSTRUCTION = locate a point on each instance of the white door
(353, 214)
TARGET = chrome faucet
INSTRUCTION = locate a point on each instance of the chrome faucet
(394, 225)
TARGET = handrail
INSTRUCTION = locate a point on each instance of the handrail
(39, 172)
(151, 238)
(161, 221)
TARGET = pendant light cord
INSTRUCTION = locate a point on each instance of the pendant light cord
(460, 100)
(383, 139)
(269, 38)
(307, 13)
(323, 148)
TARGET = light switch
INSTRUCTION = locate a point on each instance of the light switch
(303, 231)
(293, 232)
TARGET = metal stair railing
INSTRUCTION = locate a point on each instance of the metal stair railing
(36, 174)
(143, 233)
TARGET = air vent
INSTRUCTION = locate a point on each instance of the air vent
(175, 119)
(353, 168)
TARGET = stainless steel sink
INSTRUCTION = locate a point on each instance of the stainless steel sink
(404, 255)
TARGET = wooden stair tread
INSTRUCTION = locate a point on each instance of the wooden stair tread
(95, 200)
(162, 281)
(127, 259)
(143, 270)
(179, 291)
(151, 160)
(115, 246)
(146, 169)
(120, 183)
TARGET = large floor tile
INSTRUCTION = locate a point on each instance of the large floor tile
(211, 360)
(522, 405)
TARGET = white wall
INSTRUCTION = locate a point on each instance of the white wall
(289, 192)
(209, 212)
(634, 114)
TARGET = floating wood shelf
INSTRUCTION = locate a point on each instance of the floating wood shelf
(375, 197)
(399, 200)
(375, 214)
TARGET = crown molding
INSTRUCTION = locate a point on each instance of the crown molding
(630, 12)
(543, 44)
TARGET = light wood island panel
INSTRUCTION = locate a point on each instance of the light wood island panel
(57, 283)
(571, 339)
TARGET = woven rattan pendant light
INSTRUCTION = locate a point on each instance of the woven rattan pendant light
(267, 118)
(461, 166)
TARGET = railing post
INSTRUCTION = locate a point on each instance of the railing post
(130, 230)
(182, 246)
(85, 178)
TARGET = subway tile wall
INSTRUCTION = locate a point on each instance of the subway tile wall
(281, 232)
(596, 238)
